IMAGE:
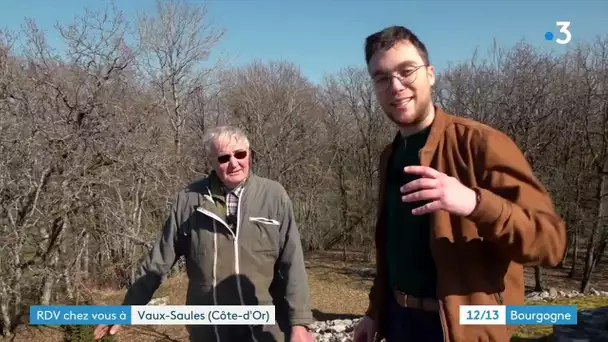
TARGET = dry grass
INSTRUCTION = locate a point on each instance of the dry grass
(338, 289)
(544, 331)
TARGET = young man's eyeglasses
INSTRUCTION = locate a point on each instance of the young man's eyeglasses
(406, 75)
(237, 154)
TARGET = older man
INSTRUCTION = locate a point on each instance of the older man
(239, 237)
(460, 210)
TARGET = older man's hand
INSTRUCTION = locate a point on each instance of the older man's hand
(301, 334)
(103, 330)
(365, 330)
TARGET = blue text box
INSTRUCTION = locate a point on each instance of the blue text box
(541, 314)
(79, 314)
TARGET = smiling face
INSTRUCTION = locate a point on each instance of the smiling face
(230, 160)
(402, 82)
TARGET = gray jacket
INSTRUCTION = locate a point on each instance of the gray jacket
(262, 264)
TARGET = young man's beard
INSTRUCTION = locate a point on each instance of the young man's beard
(420, 114)
(423, 111)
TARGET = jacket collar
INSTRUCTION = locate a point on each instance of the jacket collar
(214, 196)
(437, 129)
(214, 199)
(215, 186)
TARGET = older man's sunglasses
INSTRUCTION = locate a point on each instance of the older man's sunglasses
(226, 157)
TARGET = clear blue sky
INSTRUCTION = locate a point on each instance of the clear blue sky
(325, 36)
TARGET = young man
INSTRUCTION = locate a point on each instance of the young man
(239, 236)
(460, 210)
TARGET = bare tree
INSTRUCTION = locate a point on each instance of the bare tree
(58, 121)
(174, 44)
(277, 108)
(358, 130)
(595, 68)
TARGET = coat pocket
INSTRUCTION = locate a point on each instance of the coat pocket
(264, 220)
(265, 235)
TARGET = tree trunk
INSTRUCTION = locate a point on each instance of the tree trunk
(568, 238)
(589, 262)
(49, 281)
(4, 309)
(86, 257)
(18, 275)
(598, 229)
(344, 204)
(577, 229)
(600, 250)
(53, 241)
(538, 275)
(367, 255)
(572, 272)
(567, 251)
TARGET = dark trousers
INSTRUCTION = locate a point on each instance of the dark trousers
(412, 325)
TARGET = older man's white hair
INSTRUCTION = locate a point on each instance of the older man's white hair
(223, 135)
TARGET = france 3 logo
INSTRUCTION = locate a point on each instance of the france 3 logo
(564, 29)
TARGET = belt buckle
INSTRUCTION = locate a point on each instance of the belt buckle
(419, 303)
(411, 301)
(401, 298)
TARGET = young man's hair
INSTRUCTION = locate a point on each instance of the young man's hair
(385, 39)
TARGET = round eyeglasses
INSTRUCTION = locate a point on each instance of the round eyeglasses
(406, 75)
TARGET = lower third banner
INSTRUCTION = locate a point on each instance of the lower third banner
(518, 315)
(152, 315)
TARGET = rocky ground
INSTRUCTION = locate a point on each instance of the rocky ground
(339, 330)
(553, 293)
(592, 324)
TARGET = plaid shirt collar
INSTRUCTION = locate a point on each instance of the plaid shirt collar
(232, 198)
(235, 191)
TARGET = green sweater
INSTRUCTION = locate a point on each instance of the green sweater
(411, 268)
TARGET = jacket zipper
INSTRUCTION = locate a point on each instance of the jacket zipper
(444, 325)
(218, 219)
(215, 217)
(499, 298)
(237, 266)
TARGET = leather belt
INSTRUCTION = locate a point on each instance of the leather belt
(426, 304)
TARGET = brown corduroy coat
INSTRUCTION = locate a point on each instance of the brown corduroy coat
(479, 258)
